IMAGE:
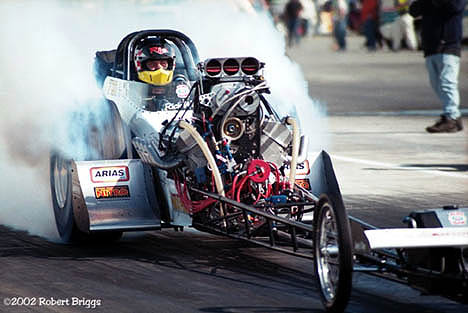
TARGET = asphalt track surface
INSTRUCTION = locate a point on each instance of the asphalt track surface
(386, 166)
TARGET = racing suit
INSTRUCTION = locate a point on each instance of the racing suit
(170, 97)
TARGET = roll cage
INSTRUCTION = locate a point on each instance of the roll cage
(119, 63)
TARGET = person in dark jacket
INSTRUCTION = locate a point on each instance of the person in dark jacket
(441, 42)
(291, 14)
(370, 20)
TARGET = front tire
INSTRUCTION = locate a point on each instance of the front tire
(333, 260)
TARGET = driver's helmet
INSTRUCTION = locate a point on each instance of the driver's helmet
(155, 61)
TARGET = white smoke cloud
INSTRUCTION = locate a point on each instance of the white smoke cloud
(46, 59)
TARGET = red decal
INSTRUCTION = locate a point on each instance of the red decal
(158, 50)
(109, 192)
(304, 183)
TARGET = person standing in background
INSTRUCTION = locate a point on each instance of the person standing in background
(340, 21)
(369, 18)
(441, 42)
(402, 28)
(291, 14)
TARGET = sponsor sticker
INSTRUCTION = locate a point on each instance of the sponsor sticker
(301, 168)
(304, 183)
(175, 106)
(109, 174)
(457, 218)
(112, 192)
(182, 91)
(158, 50)
(115, 88)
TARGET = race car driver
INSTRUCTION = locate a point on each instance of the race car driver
(154, 60)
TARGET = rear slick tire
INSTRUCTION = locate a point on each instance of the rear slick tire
(61, 185)
(102, 135)
(333, 259)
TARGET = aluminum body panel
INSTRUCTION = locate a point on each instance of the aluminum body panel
(179, 215)
(118, 195)
(322, 180)
(130, 99)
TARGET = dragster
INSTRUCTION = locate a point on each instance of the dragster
(220, 159)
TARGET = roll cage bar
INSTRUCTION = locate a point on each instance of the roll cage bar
(126, 49)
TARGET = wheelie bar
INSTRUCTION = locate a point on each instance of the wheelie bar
(278, 228)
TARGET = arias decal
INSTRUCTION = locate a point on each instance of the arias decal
(111, 192)
(109, 174)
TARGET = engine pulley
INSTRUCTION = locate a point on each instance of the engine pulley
(233, 128)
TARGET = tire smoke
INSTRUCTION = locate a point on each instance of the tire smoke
(46, 60)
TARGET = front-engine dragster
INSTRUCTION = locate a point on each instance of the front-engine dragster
(181, 143)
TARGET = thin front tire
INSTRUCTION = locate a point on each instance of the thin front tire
(333, 261)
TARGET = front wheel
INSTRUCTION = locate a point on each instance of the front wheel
(333, 261)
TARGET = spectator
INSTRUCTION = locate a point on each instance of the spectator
(340, 13)
(291, 14)
(441, 42)
(308, 17)
(402, 28)
(326, 17)
(354, 15)
(369, 17)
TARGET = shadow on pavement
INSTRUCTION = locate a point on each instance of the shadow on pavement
(200, 253)
(441, 167)
(257, 309)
